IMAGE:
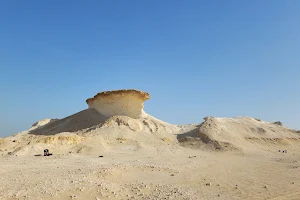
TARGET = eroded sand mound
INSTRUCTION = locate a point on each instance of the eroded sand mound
(118, 132)
(237, 133)
(113, 118)
(116, 119)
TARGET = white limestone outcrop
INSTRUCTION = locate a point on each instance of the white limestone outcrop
(120, 102)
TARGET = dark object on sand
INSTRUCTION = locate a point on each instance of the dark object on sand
(46, 152)
(279, 123)
(192, 156)
(100, 156)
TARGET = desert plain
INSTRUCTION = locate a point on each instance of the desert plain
(115, 150)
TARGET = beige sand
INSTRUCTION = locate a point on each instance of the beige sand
(146, 158)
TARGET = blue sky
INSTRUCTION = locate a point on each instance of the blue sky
(195, 58)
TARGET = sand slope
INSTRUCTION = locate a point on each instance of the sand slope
(78, 121)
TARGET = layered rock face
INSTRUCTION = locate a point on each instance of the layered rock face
(120, 102)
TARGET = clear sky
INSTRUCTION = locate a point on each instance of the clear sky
(195, 58)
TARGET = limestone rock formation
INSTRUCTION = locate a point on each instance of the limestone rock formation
(120, 102)
(117, 119)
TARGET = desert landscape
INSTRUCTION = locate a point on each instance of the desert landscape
(115, 150)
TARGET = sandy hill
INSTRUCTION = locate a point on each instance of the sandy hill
(113, 118)
(117, 119)
(238, 133)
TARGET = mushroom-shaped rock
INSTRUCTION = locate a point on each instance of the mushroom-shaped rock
(120, 102)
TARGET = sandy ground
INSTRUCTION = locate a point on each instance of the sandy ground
(154, 173)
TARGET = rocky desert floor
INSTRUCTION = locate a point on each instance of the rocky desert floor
(154, 173)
